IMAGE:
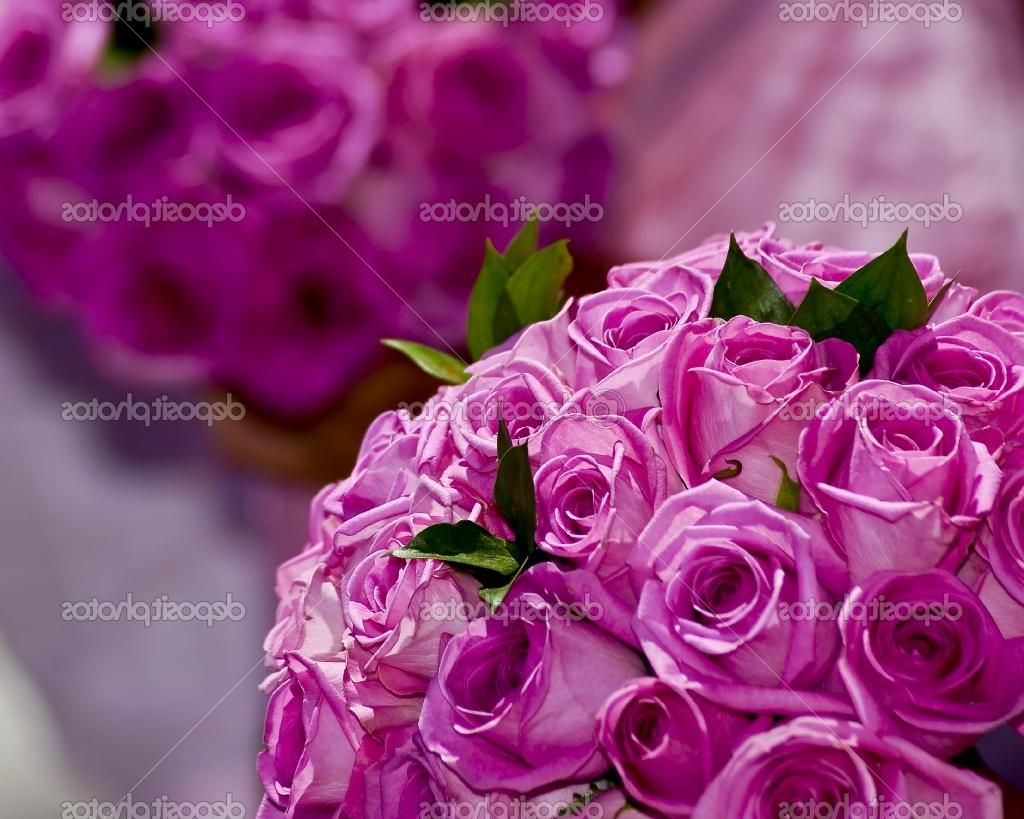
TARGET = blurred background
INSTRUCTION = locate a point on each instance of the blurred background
(214, 205)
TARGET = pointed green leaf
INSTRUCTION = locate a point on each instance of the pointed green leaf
(828, 313)
(464, 544)
(534, 291)
(788, 497)
(440, 365)
(746, 289)
(484, 300)
(514, 492)
(940, 297)
(524, 244)
(494, 596)
(890, 287)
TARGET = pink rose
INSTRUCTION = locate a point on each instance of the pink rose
(667, 742)
(924, 660)
(889, 465)
(598, 483)
(814, 767)
(719, 572)
(1003, 307)
(313, 742)
(738, 394)
(996, 570)
(514, 705)
(614, 327)
(974, 363)
(400, 615)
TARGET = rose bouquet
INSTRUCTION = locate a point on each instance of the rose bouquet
(739, 537)
(253, 193)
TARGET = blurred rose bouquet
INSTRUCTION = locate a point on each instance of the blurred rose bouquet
(740, 536)
(253, 192)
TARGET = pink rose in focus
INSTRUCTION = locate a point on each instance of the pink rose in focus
(737, 395)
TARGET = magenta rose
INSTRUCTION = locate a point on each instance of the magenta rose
(37, 241)
(737, 395)
(113, 137)
(814, 767)
(598, 483)
(165, 291)
(454, 80)
(514, 705)
(304, 308)
(313, 741)
(46, 54)
(893, 465)
(667, 742)
(304, 117)
(924, 660)
(722, 576)
(974, 363)
(400, 615)
(614, 327)
(1003, 307)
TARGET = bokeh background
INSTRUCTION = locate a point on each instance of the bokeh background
(335, 122)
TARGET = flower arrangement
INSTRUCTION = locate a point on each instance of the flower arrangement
(253, 193)
(739, 537)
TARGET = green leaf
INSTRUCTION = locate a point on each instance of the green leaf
(890, 287)
(746, 289)
(534, 291)
(828, 313)
(514, 492)
(464, 544)
(734, 471)
(440, 365)
(940, 297)
(484, 300)
(495, 595)
(524, 244)
(789, 490)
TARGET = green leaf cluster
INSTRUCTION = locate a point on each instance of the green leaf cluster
(883, 296)
(466, 545)
(514, 289)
